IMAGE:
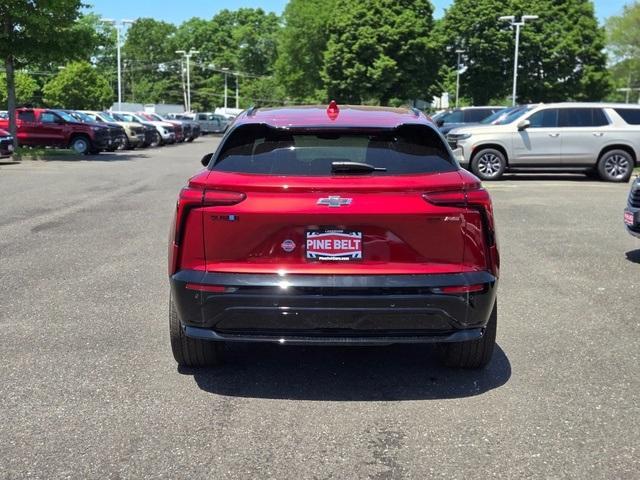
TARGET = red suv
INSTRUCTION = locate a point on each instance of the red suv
(333, 226)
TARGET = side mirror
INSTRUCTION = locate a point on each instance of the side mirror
(206, 159)
(523, 125)
(60, 121)
(439, 122)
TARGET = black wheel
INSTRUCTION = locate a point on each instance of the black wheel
(156, 140)
(488, 164)
(190, 352)
(476, 353)
(190, 139)
(123, 143)
(80, 144)
(615, 166)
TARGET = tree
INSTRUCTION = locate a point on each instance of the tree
(35, 30)
(561, 54)
(152, 66)
(380, 51)
(623, 44)
(301, 46)
(78, 86)
(26, 88)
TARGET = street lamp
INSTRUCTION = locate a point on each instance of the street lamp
(117, 26)
(188, 56)
(458, 72)
(512, 20)
(226, 71)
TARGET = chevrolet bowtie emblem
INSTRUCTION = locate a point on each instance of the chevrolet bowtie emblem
(334, 201)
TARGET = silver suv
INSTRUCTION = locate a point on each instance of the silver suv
(591, 137)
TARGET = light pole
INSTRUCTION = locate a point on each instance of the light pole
(237, 92)
(117, 25)
(226, 71)
(458, 68)
(512, 20)
(188, 56)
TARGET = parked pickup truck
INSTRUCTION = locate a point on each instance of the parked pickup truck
(40, 127)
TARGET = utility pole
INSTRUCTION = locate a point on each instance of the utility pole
(226, 71)
(512, 20)
(237, 92)
(188, 56)
(117, 26)
(458, 68)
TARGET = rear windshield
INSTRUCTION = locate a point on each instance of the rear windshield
(409, 149)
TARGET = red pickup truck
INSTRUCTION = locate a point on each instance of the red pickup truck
(38, 127)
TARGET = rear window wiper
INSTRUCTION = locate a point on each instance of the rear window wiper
(354, 167)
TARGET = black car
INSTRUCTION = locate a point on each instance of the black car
(632, 212)
(117, 135)
(6, 144)
(459, 117)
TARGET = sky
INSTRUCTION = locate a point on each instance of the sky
(177, 11)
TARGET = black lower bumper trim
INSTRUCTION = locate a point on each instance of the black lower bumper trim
(288, 339)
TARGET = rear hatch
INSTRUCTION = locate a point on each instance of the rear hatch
(290, 202)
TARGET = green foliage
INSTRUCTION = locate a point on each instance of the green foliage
(26, 89)
(623, 43)
(78, 86)
(302, 43)
(379, 50)
(561, 54)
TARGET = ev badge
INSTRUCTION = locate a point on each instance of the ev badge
(288, 245)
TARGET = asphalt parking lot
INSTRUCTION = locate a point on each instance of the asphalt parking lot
(89, 388)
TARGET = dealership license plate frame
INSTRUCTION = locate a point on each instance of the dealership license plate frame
(344, 256)
(629, 218)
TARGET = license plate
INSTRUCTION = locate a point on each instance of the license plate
(629, 218)
(10, 147)
(333, 245)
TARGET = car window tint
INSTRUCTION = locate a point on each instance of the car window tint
(629, 115)
(456, 116)
(27, 116)
(582, 117)
(476, 114)
(48, 117)
(547, 118)
(409, 149)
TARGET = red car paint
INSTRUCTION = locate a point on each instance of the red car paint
(31, 131)
(411, 224)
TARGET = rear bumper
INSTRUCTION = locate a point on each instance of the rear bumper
(326, 309)
(635, 228)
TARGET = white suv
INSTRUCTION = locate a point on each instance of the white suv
(591, 137)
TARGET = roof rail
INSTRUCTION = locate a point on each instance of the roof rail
(251, 110)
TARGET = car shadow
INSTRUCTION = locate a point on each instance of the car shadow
(561, 177)
(101, 157)
(633, 256)
(397, 372)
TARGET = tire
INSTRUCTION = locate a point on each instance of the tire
(157, 140)
(80, 144)
(190, 352)
(476, 353)
(488, 164)
(615, 166)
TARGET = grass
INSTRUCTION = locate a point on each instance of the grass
(28, 153)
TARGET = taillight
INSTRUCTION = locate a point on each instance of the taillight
(192, 198)
(217, 197)
(460, 289)
(476, 197)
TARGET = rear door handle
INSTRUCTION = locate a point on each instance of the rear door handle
(554, 134)
(598, 134)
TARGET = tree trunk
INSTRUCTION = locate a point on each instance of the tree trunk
(11, 99)
(11, 84)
